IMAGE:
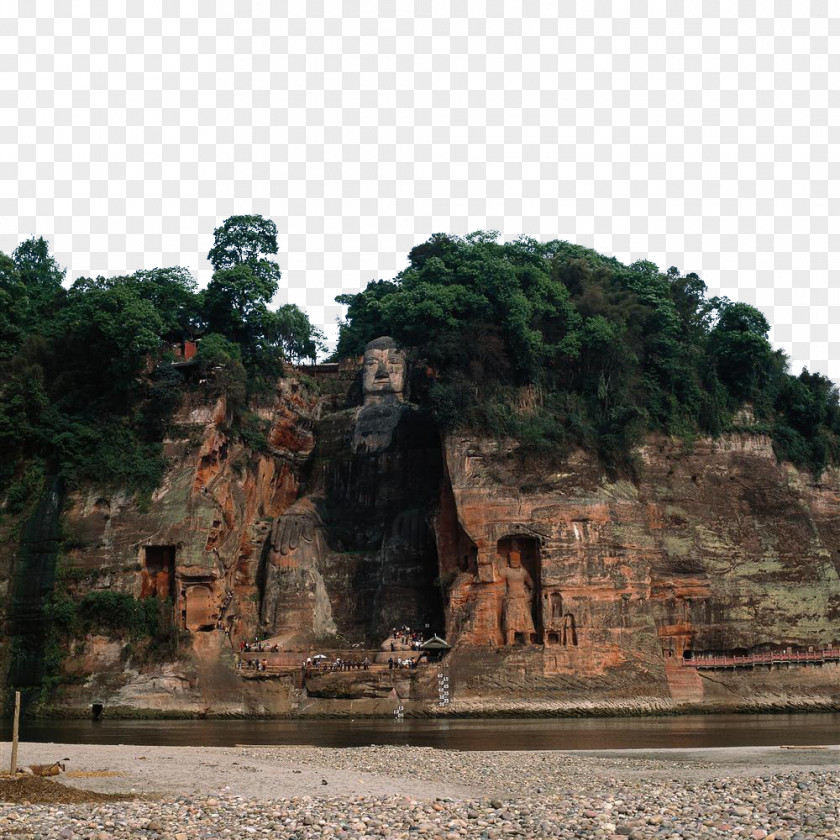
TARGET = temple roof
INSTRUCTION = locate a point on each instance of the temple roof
(435, 643)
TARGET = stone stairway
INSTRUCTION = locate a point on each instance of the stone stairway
(684, 682)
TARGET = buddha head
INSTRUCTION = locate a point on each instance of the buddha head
(383, 374)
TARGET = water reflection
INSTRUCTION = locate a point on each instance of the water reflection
(689, 731)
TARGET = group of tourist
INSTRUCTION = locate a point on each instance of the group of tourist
(407, 662)
(257, 647)
(408, 640)
(406, 637)
(252, 664)
(339, 664)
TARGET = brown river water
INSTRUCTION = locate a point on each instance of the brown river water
(685, 731)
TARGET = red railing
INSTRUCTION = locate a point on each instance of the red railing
(780, 657)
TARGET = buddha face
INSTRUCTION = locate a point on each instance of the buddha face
(383, 375)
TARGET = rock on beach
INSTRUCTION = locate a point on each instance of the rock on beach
(409, 792)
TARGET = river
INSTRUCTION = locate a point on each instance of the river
(684, 731)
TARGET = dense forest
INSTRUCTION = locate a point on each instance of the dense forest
(87, 385)
(550, 343)
(558, 347)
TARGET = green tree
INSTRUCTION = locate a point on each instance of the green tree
(221, 364)
(743, 355)
(247, 240)
(172, 292)
(295, 333)
(13, 307)
(236, 301)
(364, 317)
(242, 239)
(244, 281)
(41, 276)
(107, 332)
(557, 345)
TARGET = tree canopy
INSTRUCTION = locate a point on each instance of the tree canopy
(550, 343)
(559, 346)
(236, 301)
(86, 381)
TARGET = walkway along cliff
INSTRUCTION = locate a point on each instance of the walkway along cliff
(559, 591)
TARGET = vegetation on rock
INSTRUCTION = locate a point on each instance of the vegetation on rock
(87, 386)
(146, 626)
(558, 346)
(550, 343)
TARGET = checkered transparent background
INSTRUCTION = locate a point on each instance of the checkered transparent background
(697, 134)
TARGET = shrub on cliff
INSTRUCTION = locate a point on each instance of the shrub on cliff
(146, 626)
(148, 621)
(614, 351)
(86, 386)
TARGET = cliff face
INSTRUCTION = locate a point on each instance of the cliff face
(717, 549)
(197, 542)
(355, 555)
(557, 589)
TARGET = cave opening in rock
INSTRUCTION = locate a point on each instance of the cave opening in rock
(520, 568)
(158, 571)
(197, 605)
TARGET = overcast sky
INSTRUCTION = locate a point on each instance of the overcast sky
(706, 138)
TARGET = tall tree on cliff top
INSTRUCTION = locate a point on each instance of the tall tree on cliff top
(42, 277)
(236, 300)
(244, 280)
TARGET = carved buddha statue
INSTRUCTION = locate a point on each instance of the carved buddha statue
(295, 601)
(517, 617)
(383, 385)
(383, 372)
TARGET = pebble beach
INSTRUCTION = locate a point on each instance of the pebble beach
(199, 793)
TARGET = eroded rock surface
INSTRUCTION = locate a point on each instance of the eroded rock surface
(715, 550)
(559, 590)
(356, 555)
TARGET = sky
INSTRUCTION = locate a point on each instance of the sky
(702, 135)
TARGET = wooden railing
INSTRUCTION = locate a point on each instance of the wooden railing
(749, 660)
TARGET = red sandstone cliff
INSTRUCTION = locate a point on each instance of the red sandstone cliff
(717, 548)
(562, 591)
(199, 542)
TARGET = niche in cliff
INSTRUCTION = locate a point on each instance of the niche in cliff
(197, 602)
(157, 575)
(355, 555)
(519, 561)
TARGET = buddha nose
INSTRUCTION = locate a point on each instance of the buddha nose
(381, 371)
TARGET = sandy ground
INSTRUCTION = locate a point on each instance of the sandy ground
(422, 773)
(172, 771)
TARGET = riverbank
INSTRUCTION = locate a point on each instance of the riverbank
(390, 791)
(464, 709)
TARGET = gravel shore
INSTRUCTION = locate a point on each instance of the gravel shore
(199, 793)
